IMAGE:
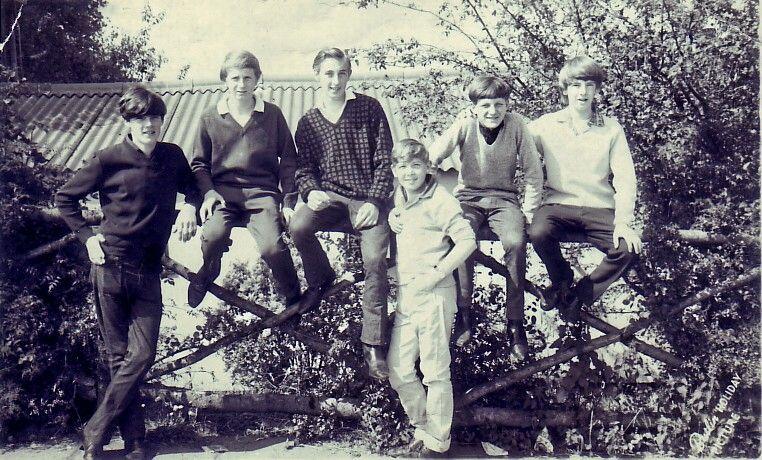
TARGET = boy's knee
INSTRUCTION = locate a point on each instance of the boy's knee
(513, 241)
(300, 226)
(621, 254)
(272, 247)
(539, 230)
(374, 261)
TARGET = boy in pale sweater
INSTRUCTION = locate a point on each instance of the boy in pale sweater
(492, 144)
(435, 239)
(582, 150)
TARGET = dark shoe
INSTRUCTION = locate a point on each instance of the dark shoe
(196, 293)
(425, 452)
(556, 296)
(517, 338)
(312, 296)
(376, 361)
(136, 449)
(571, 307)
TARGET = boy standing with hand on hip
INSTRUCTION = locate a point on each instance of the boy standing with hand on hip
(434, 240)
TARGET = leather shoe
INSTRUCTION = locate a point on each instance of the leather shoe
(196, 293)
(136, 449)
(312, 296)
(374, 357)
(556, 296)
(517, 338)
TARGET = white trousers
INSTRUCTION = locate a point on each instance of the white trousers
(422, 328)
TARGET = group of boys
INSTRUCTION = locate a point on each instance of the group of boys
(337, 174)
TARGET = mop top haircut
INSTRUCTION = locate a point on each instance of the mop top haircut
(139, 102)
(581, 68)
(331, 53)
(240, 59)
(487, 87)
(408, 150)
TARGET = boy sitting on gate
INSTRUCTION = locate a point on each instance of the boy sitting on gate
(493, 143)
(434, 240)
(582, 149)
(243, 152)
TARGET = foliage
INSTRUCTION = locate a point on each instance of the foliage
(49, 342)
(71, 42)
(683, 80)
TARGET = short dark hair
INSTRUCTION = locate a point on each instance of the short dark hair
(331, 53)
(581, 68)
(240, 59)
(409, 150)
(138, 102)
(488, 87)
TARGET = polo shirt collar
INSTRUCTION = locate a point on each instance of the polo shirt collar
(428, 192)
(223, 108)
(348, 96)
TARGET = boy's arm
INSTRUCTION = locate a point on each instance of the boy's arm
(449, 215)
(85, 181)
(532, 168)
(201, 163)
(383, 180)
(185, 224)
(306, 175)
(287, 166)
(447, 142)
(624, 181)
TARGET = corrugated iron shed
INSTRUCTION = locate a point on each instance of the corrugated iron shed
(75, 120)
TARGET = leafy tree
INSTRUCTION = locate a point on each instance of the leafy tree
(72, 42)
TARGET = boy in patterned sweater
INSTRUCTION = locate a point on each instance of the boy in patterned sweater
(343, 174)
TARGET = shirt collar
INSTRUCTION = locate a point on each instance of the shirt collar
(132, 145)
(595, 120)
(223, 108)
(431, 183)
(348, 95)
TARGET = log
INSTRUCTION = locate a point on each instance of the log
(589, 319)
(586, 347)
(699, 237)
(246, 401)
(49, 247)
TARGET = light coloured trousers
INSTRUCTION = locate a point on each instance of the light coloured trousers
(422, 328)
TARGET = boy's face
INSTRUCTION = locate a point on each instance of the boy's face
(145, 130)
(491, 112)
(241, 83)
(411, 174)
(581, 94)
(333, 76)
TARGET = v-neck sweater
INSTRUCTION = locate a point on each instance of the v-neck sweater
(351, 157)
(258, 157)
(489, 170)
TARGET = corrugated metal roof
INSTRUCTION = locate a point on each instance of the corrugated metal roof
(76, 120)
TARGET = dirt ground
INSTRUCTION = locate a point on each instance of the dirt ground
(222, 448)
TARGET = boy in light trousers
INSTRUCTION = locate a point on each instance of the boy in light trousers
(433, 240)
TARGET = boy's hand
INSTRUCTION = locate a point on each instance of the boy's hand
(94, 249)
(629, 236)
(185, 225)
(395, 223)
(211, 200)
(367, 216)
(318, 200)
(288, 213)
(427, 282)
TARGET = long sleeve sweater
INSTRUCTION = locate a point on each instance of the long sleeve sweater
(489, 170)
(591, 168)
(137, 195)
(351, 157)
(241, 162)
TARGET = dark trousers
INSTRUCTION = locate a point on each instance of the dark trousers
(262, 218)
(554, 223)
(128, 305)
(506, 220)
(374, 244)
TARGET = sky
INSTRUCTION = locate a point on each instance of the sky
(283, 34)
